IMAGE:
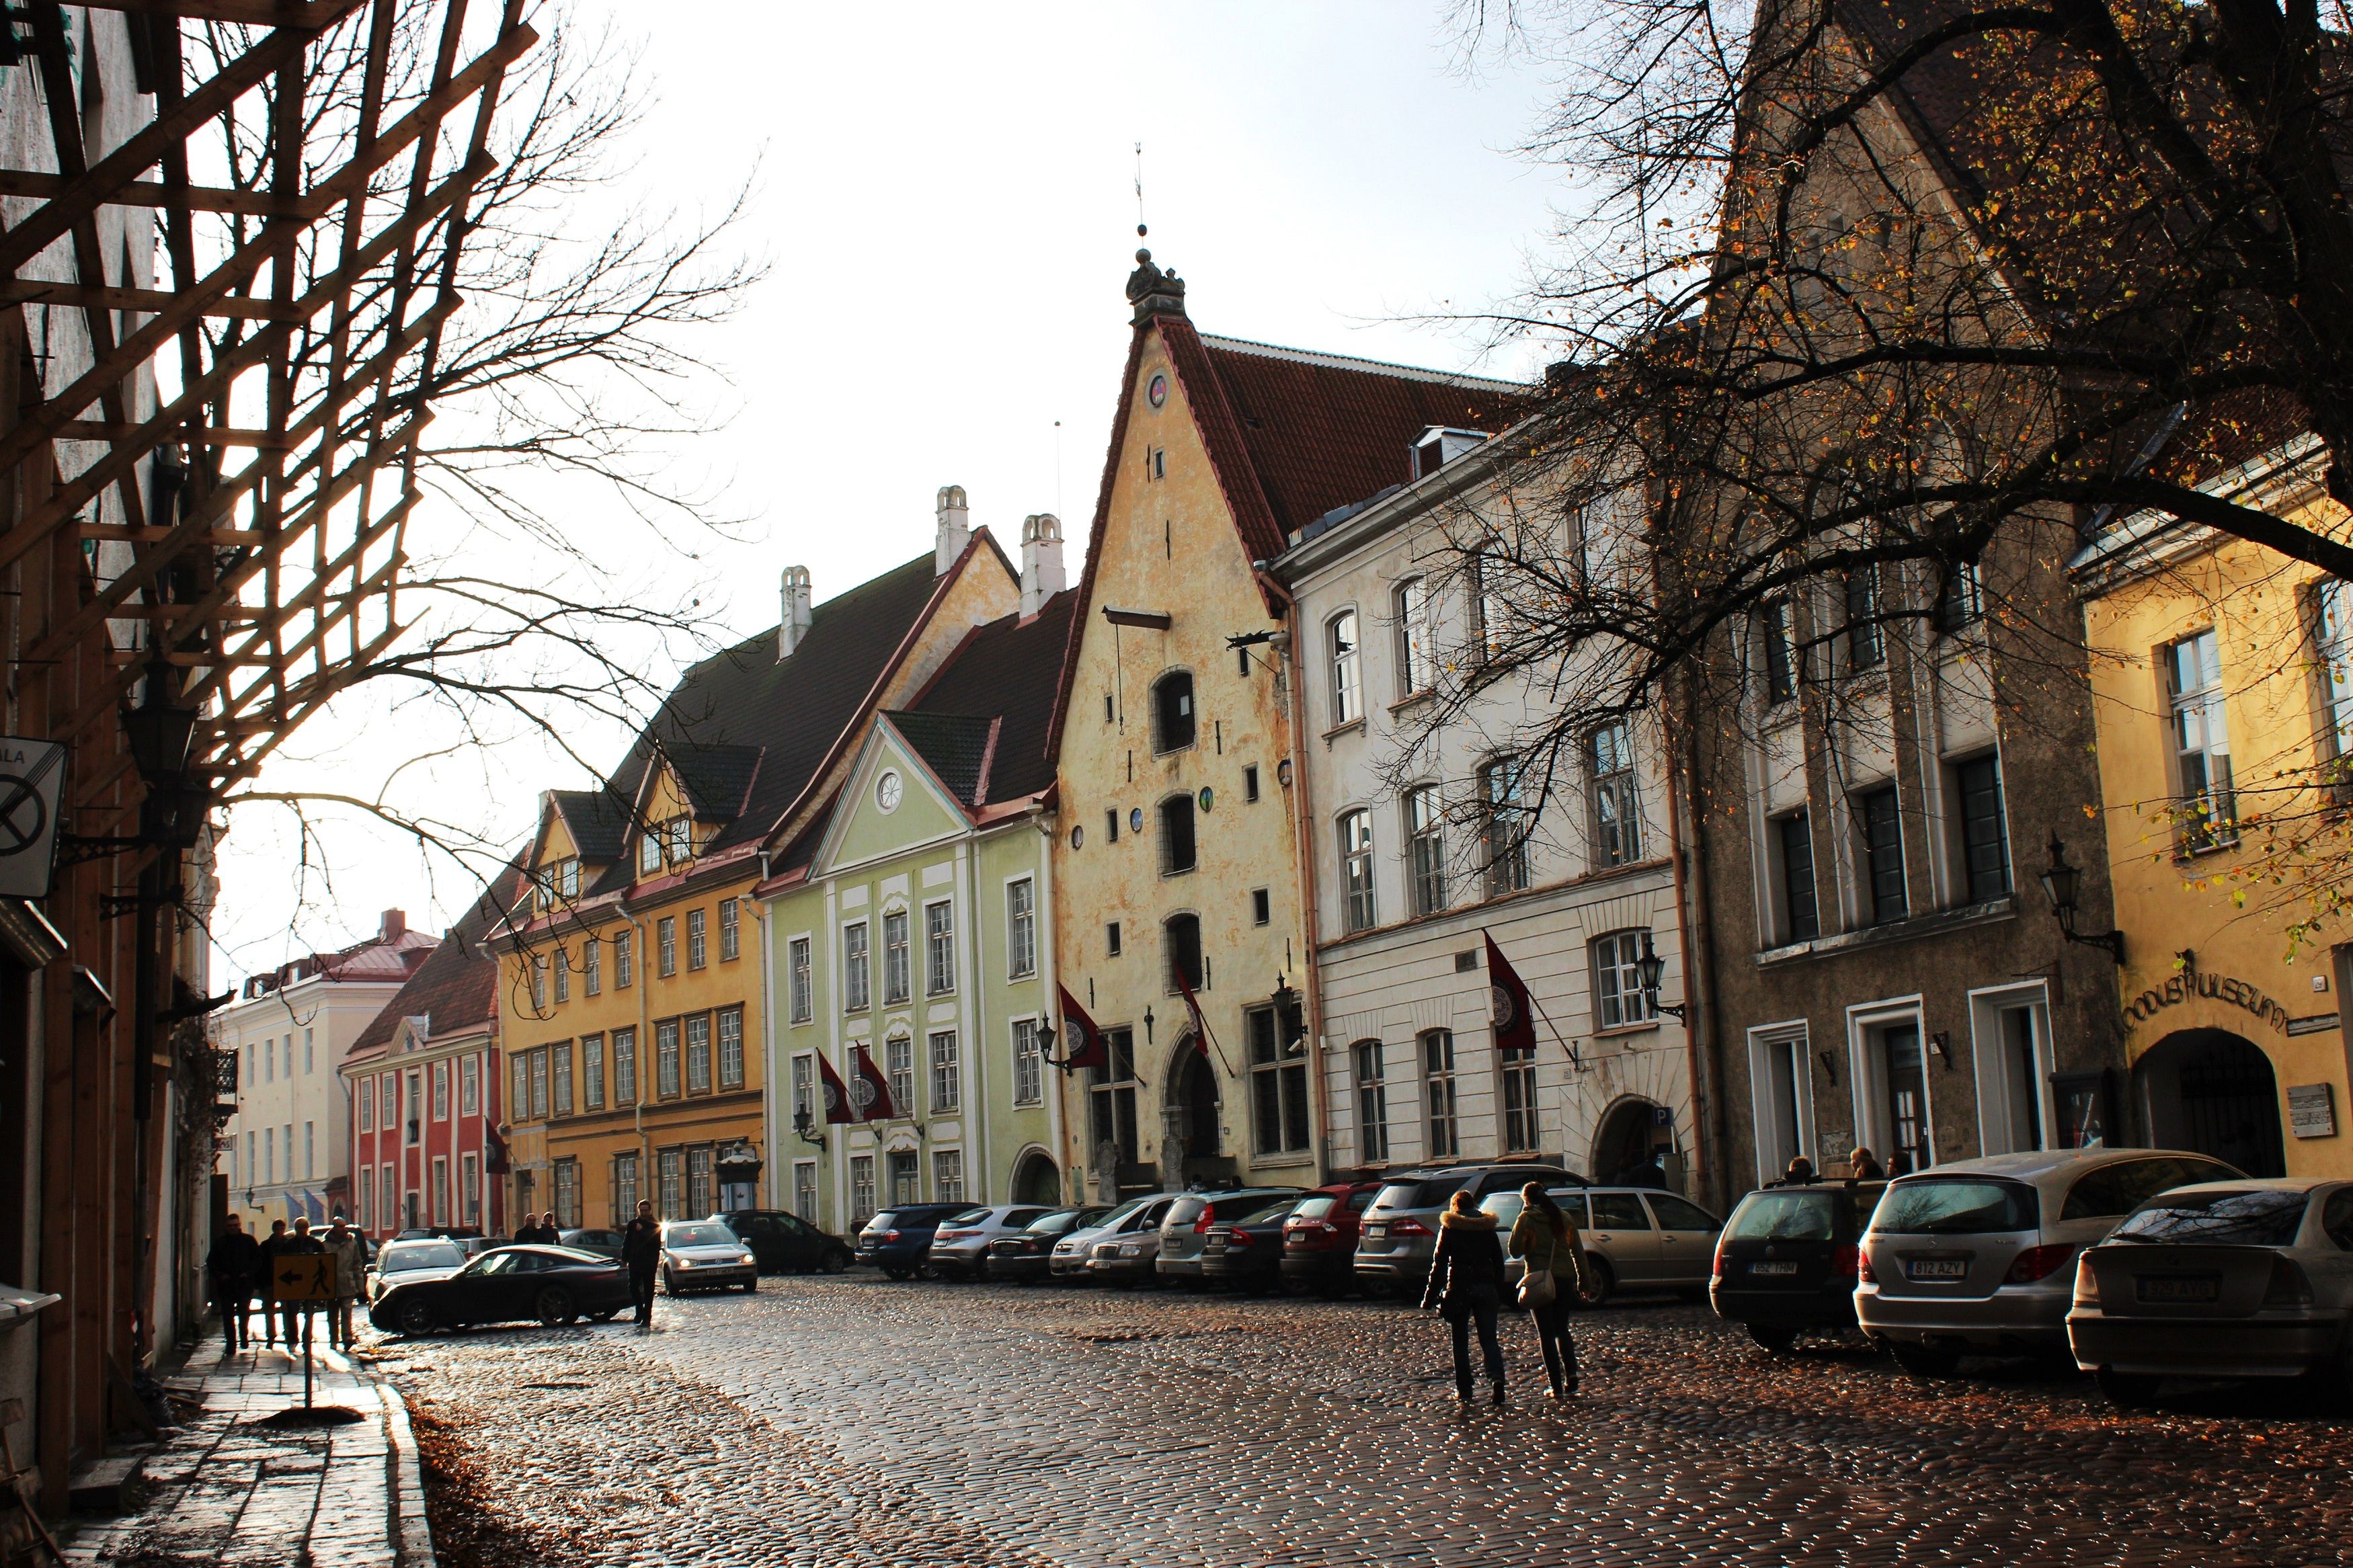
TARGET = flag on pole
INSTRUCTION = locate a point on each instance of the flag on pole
(494, 1158)
(1083, 1043)
(870, 1092)
(1201, 1026)
(836, 1093)
(1512, 1013)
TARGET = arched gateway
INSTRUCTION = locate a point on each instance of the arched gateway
(2215, 1092)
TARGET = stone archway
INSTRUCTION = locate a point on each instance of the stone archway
(1036, 1179)
(2214, 1092)
(1192, 1145)
(1627, 1147)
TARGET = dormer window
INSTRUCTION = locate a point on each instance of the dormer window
(681, 839)
(1439, 446)
(649, 852)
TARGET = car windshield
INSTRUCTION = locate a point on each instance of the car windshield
(1105, 1221)
(1314, 1207)
(708, 1234)
(969, 1217)
(1252, 1210)
(1061, 1224)
(405, 1257)
(1417, 1195)
(1956, 1205)
(1784, 1216)
(2238, 1217)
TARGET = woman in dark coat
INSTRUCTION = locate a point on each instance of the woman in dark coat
(1466, 1286)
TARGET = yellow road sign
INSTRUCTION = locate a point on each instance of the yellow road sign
(302, 1276)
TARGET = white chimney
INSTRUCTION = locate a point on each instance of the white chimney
(1041, 561)
(795, 624)
(955, 529)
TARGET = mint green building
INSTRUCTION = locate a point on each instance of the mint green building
(914, 923)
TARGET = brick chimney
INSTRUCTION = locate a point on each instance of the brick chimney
(394, 926)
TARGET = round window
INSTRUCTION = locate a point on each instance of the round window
(1156, 391)
(1135, 819)
(887, 791)
(1208, 797)
(1078, 836)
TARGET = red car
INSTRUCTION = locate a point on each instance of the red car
(1319, 1239)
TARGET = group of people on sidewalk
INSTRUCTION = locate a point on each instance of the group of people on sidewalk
(240, 1267)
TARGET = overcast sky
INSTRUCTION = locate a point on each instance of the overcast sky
(945, 196)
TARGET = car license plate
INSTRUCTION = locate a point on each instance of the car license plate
(1377, 1230)
(2180, 1287)
(1773, 1268)
(1936, 1269)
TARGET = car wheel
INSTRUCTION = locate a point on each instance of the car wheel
(752, 1285)
(2130, 1390)
(419, 1318)
(556, 1308)
(834, 1262)
(1926, 1360)
(1774, 1337)
(669, 1285)
(1600, 1282)
(894, 1271)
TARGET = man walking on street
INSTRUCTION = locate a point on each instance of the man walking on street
(265, 1252)
(641, 1253)
(349, 1249)
(230, 1264)
(302, 1244)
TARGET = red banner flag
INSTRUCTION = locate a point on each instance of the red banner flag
(1083, 1043)
(1205, 1041)
(836, 1093)
(1512, 1015)
(870, 1092)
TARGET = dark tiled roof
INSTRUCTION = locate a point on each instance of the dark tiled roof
(597, 822)
(458, 983)
(718, 779)
(1009, 669)
(955, 746)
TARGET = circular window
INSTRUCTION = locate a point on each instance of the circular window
(1135, 819)
(887, 791)
(1208, 797)
(1078, 836)
(1156, 391)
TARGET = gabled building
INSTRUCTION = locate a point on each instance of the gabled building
(632, 992)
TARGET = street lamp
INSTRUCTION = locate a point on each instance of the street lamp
(2059, 883)
(802, 1122)
(1654, 969)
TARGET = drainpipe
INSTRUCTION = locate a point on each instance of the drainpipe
(643, 981)
(1304, 850)
(976, 1103)
(769, 1104)
(1049, 977)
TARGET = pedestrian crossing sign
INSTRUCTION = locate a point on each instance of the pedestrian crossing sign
(302, 1276)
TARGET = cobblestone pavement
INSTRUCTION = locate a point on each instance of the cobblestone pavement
(853, 1421)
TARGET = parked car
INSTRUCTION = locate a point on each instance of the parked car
(1184, 1229)
(1319, 1236)
(1789, 1257)
(1635, 1239)
(704, 1255)
(1978, 1257)
(425, 1259)
(1399, 1229)
(896, 1239)
(552, 1284)
(787, 1244)
(604, 1243)
(1069, 1258)
(1244, 1248)
(1028, 1256)
(960, 1245)
(1122, 1253)
(2240, 1280)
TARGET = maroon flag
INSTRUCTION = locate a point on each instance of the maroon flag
(836, 1093)
(870, 1092)
(1512, 1017)
(494, 1157)
(1083, 1043)
(1203, 1041)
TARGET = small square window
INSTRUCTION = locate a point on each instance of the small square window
(1249, 782)
(1111, 932)
(1261, 907)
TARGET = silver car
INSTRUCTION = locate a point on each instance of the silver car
(960, 1245)
(1635, 1239)
(1978, 1257)
(1126, 1255)
(1399, 1231)
(704, 1255)
(427, 1257)
(2223, 1280)
(1185, 1229)
(1069, 1258)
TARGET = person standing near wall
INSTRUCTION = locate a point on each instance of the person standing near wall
(641, 1255)
(231, 1264)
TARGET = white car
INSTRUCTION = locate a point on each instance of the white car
(427, 1257)
(704, 1255)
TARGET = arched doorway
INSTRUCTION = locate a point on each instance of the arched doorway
(1630, 1148)
(1035, 1179)
(2213, 1091)
(1192, 1115)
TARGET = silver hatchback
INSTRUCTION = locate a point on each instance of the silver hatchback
(1184, 1229)
(1635, 1239)
(1399, 1231)
(1978, 1257)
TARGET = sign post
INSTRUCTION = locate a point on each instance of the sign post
(309, 1277)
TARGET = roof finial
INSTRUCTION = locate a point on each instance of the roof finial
(1153, 291)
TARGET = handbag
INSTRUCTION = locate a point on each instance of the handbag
(1537, 1287)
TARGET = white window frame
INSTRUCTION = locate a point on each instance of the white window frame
(1416, 671)
(1360, 905)
(1021, 928)
(1989, 1057)
(1028, 1063)
(857, 968)
(1775, 1145)
(939, 948)
(1343, 646)
(947, 1057)
(803, 979)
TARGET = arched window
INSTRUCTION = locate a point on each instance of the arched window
(1347, 673)
(1172, 712)
(1182, 943)
(1177, 850)
(1425, 834)
(1356, 869)
(1506, 827)
(1417, 672)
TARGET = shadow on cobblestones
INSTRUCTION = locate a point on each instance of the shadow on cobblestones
(471, 1530)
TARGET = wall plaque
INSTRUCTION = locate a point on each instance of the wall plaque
(2312, 1111)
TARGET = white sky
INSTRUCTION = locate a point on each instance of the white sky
(945, 196)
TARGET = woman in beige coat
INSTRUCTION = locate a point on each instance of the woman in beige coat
(1550, 1248)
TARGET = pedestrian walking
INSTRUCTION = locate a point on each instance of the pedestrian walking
(230, 1264)
(641, 1254)
(1862, 1165)
(265, 1252)
(300, 1244)
(1552, 1255)
(1466, 1288)
(549, 1235)
(348, 1248)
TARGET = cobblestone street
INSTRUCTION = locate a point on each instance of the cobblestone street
(853, 1421)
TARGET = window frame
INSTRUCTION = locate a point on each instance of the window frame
(1281, 1120)
(1614, 958)
(1503, 811)
(1416, 671)
(939, 948)
(1359, 903)
(1372, 1101)
(1886, 886)
(666, 946)
(731, 929)
(1344, 666)
(1778, 650)
(1163, 744)
(856, 969)
(945, 1057)
(1613, 795)
(1968, 829)
(698, 938)
(2209, 814)
(1021, 928)
(898, 959)
(802, 979)
(1441, 1103)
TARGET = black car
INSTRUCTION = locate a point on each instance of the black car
(1244, 1249)
(1029, 1255)
(507, 1284)
(787, 1244)
(603, 1243)
(898, 1240)
(1787, 1259)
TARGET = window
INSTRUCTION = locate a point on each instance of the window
(538, 983)
(699, 1196)
(1357, 869)
(470, 1189)
(804, 1087)
(947, 1175)
(2201, 743)
(1490, 613)
(1507, 828)
(1960, 598)
(1620, 1002)
(1882, 844)
(898, 972)
(567, 1193)
(1028, 1063)
(568, 877)
(1867, 635)
(309, 1062)
(1372, 1103)
(1261, 907)
(666, 1074)
(854, 978)
(1425, 838)
(592, 1072)
(1250, 784)
(1172, 712)
(899, 1066)
(269, 1155)
(804, 992)
(939, 949)
(666, 945)
(1278, 1085)
(1111, 827)
(562, 975)
(367, 1190)
(389, 1198)
(310, 1150)
(731, 929)
(1780, 652)
(625, 1188)
(624, 949)
(1417, 672)
(441, 1189)
(592, 966)
(947, 1072)
(440, 1091)
(1802, 914)
(1519, 1074)
(1617, 815)
(1110, 937)
(539, 1085)
(805, 1190)
(520, 1099)
(367, 1107)
(1110, 1097)
(698, 942)
(861, 1188)
(1985, 836)
(625, 1066)
(1182, 942)
(1020, 929)
(1176, 849)
(1348, 679)
(649, 852)
(682, 840)
(270, 1061)
(2332, 635)
(730, 1047)
(671, 1171)
(697, 1054)
(1437, 1093)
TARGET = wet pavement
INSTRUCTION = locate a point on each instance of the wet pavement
(855, 1421)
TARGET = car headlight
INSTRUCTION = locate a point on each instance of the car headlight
(747, 1257)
